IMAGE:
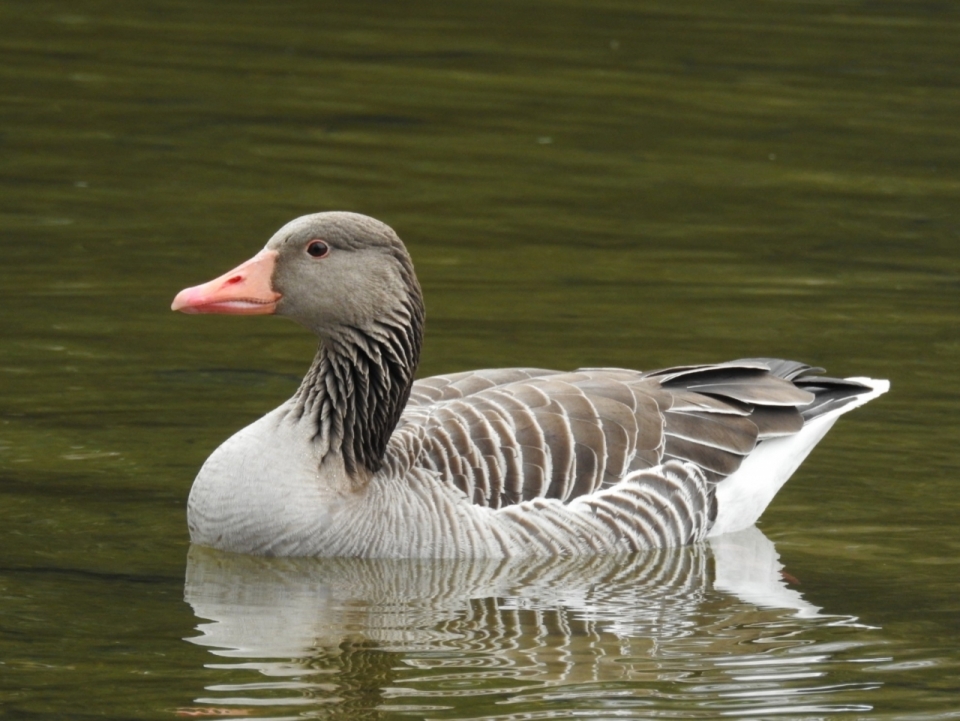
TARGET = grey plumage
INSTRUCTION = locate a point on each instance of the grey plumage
(490, 462)
(512, 435)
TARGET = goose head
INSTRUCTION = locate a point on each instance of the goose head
(334, 273)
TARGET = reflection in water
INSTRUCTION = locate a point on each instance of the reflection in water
(691, 632)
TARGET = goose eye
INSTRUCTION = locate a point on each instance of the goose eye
(318, 249)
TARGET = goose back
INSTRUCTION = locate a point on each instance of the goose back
(507, 436)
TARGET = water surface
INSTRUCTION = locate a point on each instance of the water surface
(613, 184)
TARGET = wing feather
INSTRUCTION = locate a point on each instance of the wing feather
(508, 436)
(437, 389)
(726, 432)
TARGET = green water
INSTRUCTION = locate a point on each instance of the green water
(602, 184)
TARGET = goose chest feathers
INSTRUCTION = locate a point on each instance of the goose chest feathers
(365, 461)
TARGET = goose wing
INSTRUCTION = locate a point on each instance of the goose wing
(512, 435)
(455, 386)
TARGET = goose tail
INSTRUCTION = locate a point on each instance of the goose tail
(744, 495)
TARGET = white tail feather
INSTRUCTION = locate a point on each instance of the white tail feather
(743, 496)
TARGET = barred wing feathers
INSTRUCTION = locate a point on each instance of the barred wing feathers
(513, 435)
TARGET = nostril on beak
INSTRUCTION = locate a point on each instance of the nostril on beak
(234, 280)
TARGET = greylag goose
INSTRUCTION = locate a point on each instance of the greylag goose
(364, 461)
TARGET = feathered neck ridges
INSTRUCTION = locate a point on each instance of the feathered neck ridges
(359, 383)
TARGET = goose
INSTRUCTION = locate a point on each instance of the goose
(365, 461)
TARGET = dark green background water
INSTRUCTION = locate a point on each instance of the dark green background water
(580, 184)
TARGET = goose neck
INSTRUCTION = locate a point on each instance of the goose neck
(355, 392)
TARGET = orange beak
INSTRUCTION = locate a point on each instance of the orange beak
(245, 290)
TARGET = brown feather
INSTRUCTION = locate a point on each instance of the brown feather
(516, 435)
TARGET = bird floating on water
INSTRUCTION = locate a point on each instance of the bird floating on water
(365, 461)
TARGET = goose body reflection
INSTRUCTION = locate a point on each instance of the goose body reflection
(708, 627)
